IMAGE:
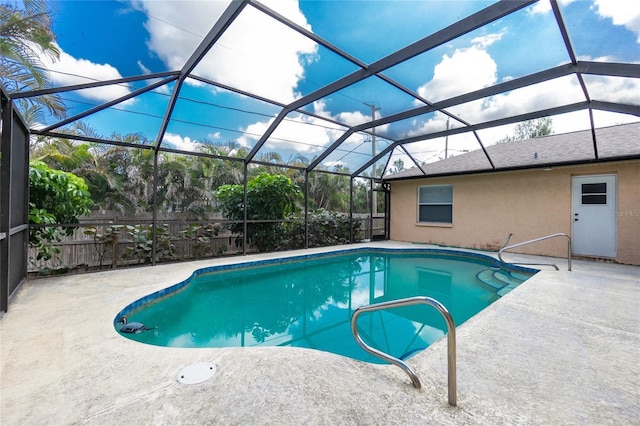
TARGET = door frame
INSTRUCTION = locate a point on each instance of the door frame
(611, 213)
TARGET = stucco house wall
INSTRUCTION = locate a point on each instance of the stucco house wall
(528, 203)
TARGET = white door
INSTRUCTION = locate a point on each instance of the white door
(594, 215)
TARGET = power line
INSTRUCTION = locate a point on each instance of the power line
(226, 129)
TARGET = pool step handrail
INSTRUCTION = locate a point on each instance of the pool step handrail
(451, 339)
(560, 234)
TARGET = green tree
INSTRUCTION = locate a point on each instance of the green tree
(55, 197)
(25, 35)
(77, 158)
(328, 191)
(269, 197)
(225, 171)
(530, 129)
(398, 166)
(361, 196)
(129, 173)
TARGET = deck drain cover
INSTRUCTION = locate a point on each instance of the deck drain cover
(196, 373)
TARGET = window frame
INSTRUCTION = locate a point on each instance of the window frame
(422, 204)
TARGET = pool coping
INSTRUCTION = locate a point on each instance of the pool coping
(539, 355)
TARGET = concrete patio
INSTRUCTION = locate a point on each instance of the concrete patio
(561, 349)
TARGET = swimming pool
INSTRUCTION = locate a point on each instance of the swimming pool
(308, 300)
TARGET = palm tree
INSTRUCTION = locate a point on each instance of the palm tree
(329, 191)
(224, 171)
(25, 35)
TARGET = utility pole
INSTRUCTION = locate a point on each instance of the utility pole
(446, 141)
(372, 184)
(373, 154)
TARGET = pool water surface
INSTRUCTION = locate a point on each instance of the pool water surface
(308, 301)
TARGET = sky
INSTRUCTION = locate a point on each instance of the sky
(102, 40)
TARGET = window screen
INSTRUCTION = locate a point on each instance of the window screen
(435, 204)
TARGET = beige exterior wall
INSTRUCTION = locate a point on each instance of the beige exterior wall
(529, 204)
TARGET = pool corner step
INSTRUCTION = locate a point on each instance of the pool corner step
(502, 282)
(487, 277)
(506, 289)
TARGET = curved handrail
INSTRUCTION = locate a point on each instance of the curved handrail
(451, 339)
(560, 234)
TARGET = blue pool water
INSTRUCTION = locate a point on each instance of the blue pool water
(308, 301)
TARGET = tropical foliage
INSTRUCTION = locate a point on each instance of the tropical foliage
(26, 37)
(55, 197)
(130, 179)
(121, 179)
(270, 198)
(190, 189)
(325, 228)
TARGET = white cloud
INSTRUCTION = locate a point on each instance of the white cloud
(175, 34)
(353, 118)
(464, 71)
(613, 89)
(303, 134)
(543, 6)
(181, 143)
(143, 68)
(256, 54)
(607, 118)
(621, 12)
(473, 68)
(307, 135)
(162, 89)
(69, 70)
(488, 39)
(350, 118)
(549, 94)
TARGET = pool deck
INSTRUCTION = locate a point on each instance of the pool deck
(561, 349)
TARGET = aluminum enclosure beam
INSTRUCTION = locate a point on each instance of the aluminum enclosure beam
(485, 125)
(228, 16)
(109, 104)
(463, 26)
(517, 83)
(91, 85)
(502, 121)
(586, 67)
(609, 69)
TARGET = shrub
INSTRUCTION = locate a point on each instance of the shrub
(326, 228)
(269, 197)
(55, 197)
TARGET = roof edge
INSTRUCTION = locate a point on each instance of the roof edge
(519, 168)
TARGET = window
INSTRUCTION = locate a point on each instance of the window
(435, 204)
(594, 193)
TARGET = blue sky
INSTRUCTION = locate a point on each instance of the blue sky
(111, 39)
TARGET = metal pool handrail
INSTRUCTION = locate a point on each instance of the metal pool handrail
(451, 339)
(560, 234)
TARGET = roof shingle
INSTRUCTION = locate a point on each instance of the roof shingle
(568, 148)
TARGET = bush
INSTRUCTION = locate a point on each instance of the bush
(325, 229)
(55, 197)
(269, 197)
